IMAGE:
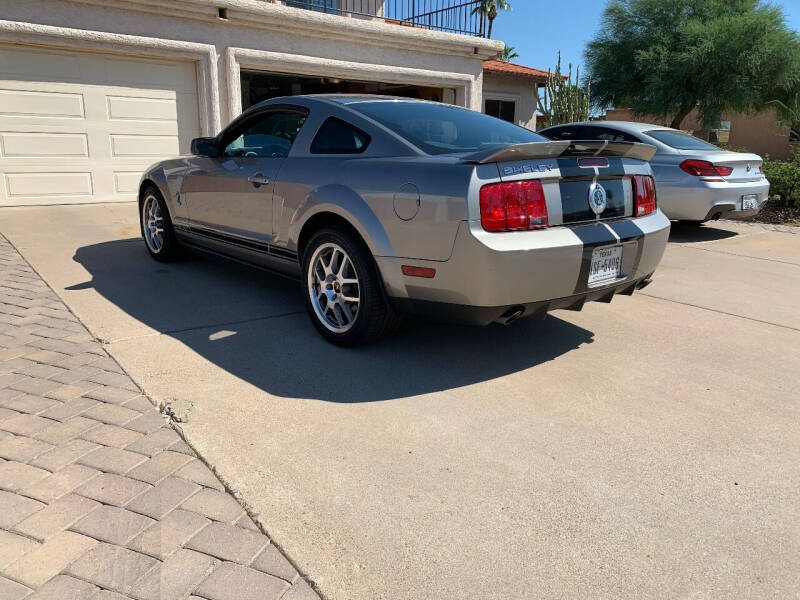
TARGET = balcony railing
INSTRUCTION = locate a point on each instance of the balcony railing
(452, 16)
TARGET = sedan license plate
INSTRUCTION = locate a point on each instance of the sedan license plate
(606, 264)
(750, 202)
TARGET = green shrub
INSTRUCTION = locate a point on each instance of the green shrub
(784, 179)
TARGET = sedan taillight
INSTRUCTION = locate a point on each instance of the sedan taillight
(703, 168)
(513, 206)
(644, 195)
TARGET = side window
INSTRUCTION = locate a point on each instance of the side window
(561, 133)
(606, 134)
(339, 137)
(268, 135)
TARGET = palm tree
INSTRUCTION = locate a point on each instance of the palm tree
(489, 9)
(509, 53)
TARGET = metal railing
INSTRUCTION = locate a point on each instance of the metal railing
(452, 16)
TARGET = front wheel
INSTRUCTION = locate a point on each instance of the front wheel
(342, 289)
(157, 226)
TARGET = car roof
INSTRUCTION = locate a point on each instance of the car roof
(628, 126)
(345, 99)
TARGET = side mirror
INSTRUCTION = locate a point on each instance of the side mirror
(205, 146)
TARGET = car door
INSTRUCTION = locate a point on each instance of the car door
(229, 198)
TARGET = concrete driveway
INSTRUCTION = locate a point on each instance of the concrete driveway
(647, 448)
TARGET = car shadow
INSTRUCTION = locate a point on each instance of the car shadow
(253, 325)
(686, 233)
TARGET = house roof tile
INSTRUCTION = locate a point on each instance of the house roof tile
(507, 69)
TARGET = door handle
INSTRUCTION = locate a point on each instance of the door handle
(258, 179)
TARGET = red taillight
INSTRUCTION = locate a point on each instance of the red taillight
(644, 195)
(513, 206)
(724, 171)
(703, 168)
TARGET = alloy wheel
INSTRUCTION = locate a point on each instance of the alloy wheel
(153, 224)
(334, 287)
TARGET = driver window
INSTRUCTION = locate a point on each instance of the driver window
(270, 135)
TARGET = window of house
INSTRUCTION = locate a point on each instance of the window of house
(339, 137)
(266, 135)
(320, 5)
(501, 109)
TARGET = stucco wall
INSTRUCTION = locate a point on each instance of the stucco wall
(260, 34)
(522, 91)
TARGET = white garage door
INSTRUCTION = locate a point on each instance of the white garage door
(81, 127)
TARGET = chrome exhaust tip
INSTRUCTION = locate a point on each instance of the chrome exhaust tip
(511, 315)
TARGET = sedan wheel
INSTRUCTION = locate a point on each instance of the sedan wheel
(343, 290)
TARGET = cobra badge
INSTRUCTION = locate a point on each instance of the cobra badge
(597, 198)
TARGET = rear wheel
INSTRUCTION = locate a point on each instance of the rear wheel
(159, 237)
(343, 291)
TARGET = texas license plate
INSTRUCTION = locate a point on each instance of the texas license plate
(749, 202)
(606, 264)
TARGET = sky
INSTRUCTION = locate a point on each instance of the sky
(538, 29)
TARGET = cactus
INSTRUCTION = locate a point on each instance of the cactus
(564, 100)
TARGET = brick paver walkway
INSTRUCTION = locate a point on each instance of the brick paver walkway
(99, 498)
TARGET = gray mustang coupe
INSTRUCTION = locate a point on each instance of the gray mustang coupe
(385, 206)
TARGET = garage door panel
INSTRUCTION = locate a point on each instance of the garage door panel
(33, 145)
(32, 185)
(151, 146)
(126, 182)
(137, 108)
(28, 103)
(35, 65)
(81, 127)
(142, 74)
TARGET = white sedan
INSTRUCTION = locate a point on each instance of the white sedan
(696, 181)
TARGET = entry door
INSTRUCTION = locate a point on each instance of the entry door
(231, 196)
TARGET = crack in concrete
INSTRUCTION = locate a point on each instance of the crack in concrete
(721, 312)
(775, 260)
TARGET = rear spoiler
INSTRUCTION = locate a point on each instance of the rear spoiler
(562, 149)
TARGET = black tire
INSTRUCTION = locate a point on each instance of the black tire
(169, 249)
(374, 318)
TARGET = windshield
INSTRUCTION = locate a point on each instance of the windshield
(445, 129)
(680, 140)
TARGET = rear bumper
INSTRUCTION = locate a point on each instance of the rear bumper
(484, 315)
(489, 273)
(703, 201)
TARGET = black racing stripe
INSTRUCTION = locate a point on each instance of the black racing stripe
(629, 231)
(281, 252)
(626, 230)
(568, 167)
(263, 247)
(594, 235)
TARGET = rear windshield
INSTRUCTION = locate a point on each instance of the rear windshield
(680, 140)
(445, 129)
